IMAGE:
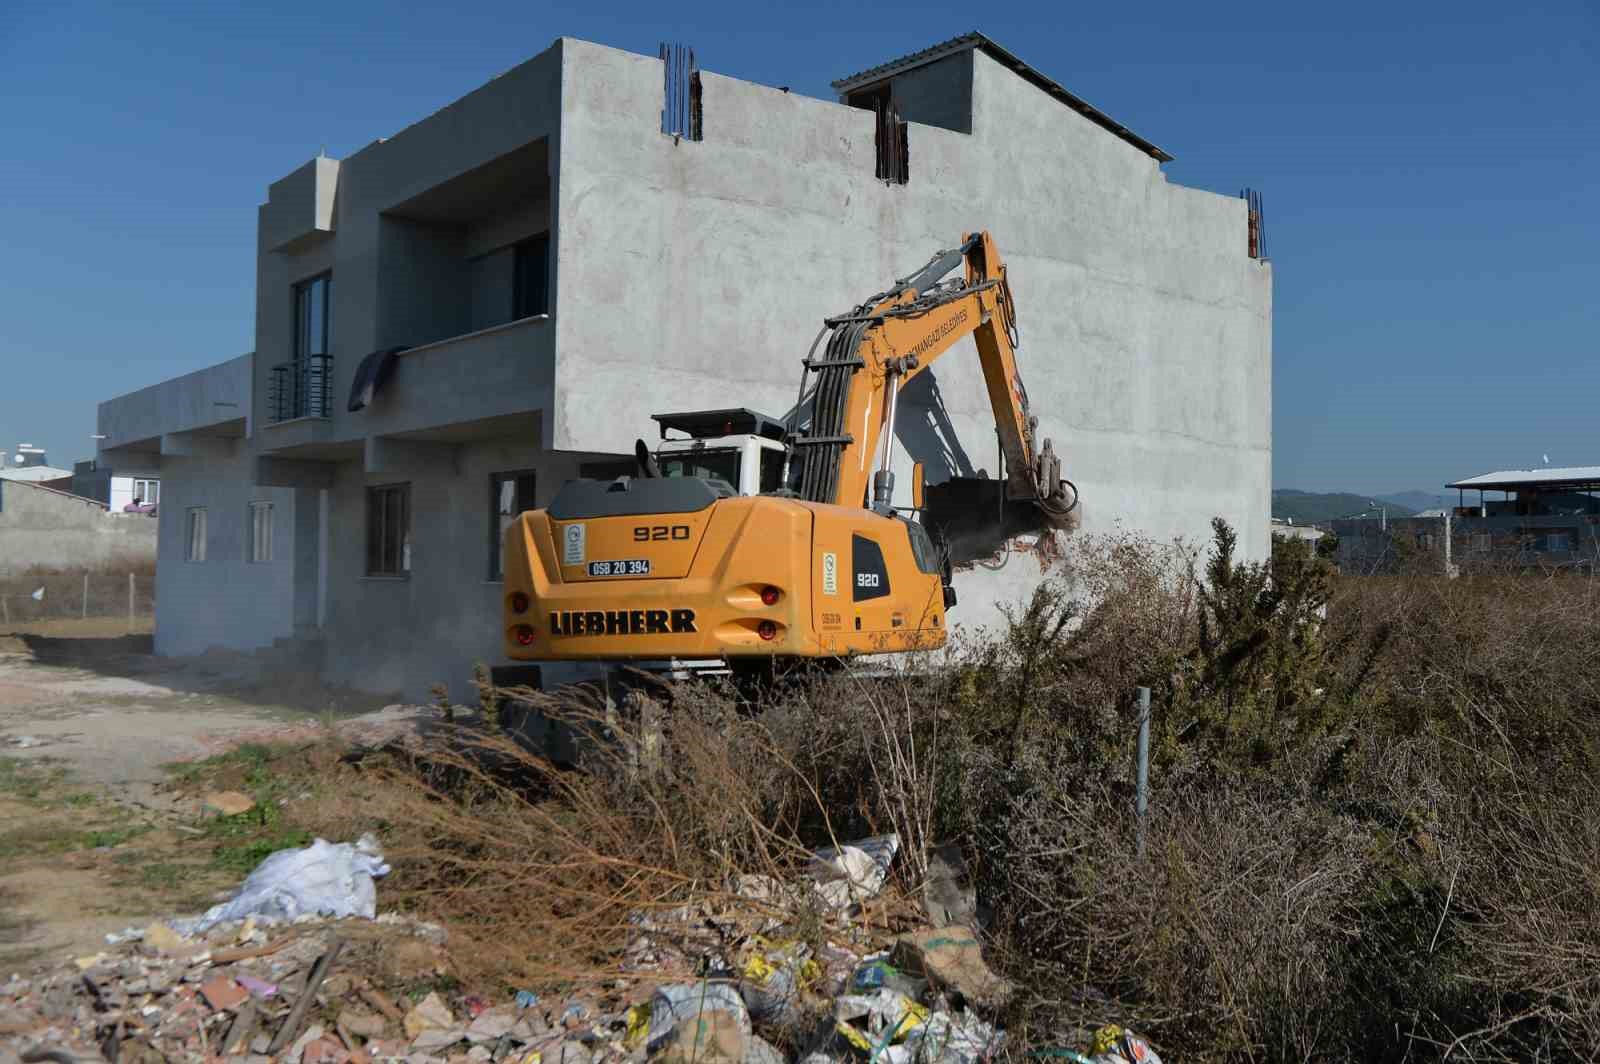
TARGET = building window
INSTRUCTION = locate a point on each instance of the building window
(1480, 542)
(1558, 542)
(509, 495)
(311, 317)
(260, 532)
(147, 492)
(531, 283)
(195, 550)
(389, 530)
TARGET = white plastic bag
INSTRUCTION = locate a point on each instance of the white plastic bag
(331, 879)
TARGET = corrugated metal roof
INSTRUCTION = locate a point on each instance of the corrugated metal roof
(978, 40)
(1570, 476)
(34, 473)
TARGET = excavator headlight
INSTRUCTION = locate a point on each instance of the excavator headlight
(767, 630)
(523, 634)
(519, 601)
(770, 596)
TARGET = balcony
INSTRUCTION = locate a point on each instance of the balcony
(300, 388)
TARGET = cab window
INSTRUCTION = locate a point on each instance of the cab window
(712, 465)
(771, 471)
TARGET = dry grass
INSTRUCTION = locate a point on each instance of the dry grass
(1369, 839)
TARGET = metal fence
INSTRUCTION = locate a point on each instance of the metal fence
(109, 593)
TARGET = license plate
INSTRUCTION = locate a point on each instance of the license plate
(626, 567)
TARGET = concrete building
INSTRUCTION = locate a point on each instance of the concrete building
(1545, 519)
(1290, 530)
(121, 491)
(516, 282)
(43, 528)
(30, 464)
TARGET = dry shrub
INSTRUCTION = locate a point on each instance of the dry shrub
(1370, 838)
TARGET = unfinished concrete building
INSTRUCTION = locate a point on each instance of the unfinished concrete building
(456, 318)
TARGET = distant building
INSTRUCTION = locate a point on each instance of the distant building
(1289, 530)
(1544, 518)
(42, 528)
(28, 464)
(122, 491)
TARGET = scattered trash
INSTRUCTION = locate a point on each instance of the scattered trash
(948, 896)
(952, 960)
(697, 1022)
(526, 999)
(851, 874)
(953, 1038)
(1117, 1045)
(25, 741)
(773, 975)
(324, 878)
(873, 1023)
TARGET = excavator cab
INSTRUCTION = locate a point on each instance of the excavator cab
(740, 447)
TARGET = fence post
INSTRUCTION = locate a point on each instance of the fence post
(86, 594)
(1142, 787)
(130, 603)
(5, 608)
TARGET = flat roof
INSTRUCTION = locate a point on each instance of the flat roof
(975, 40)
(1507, 479)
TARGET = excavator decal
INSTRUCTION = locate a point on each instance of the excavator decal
(872, 576)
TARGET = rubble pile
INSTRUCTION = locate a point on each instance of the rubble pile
(710, 983)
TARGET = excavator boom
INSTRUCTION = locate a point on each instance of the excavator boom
(873, 351)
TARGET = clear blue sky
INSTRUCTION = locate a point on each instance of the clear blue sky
(1429, 169)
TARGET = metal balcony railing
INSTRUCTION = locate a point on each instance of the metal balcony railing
(300, 388)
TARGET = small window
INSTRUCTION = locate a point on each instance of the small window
(260, 532)
(1558, 542)
(147, 492)
(389, 530)
(1480, 542)
(196, 543)
(509, 495)
(531, 285)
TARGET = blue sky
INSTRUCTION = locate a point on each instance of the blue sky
(1429, 172)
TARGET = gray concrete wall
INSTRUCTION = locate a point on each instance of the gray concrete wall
(44, 528)
(1146, 328)
(431, 626)
(195, 401)
(395, 283)
(225, 600)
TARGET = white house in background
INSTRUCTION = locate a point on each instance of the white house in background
(119, 490)
(29, 465)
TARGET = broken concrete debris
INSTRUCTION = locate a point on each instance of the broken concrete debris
(706, 986)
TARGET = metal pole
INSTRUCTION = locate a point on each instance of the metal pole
(130, 602)
(86, 594)
(1142, 801)
(5, 608)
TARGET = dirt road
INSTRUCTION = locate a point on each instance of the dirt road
(89, 717)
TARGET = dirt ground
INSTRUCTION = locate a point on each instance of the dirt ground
(90, 721)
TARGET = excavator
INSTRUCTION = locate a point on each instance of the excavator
(749, 538)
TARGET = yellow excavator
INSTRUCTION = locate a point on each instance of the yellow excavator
(778, 539)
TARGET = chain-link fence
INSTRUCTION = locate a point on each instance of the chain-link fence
(108, 593)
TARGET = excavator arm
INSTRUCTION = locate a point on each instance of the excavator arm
(873, 351)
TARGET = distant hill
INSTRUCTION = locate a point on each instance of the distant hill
(1417, 501)
(1310, 507)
